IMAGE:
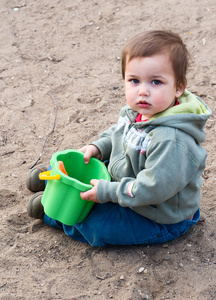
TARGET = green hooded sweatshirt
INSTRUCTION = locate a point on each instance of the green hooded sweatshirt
(156, 165)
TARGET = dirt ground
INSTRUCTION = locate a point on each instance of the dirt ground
(66, 55)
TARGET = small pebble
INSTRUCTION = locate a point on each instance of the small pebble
(81, 120)
(144, 297)
(141, 270)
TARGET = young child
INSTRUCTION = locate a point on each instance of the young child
(154, 152)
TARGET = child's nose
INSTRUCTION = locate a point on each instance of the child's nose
(143, 90)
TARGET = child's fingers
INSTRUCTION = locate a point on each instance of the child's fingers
(89, 196)
(94, 181)
(83, 149)
(87, 155)
(84, 196)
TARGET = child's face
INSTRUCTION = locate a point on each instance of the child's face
(150, 85)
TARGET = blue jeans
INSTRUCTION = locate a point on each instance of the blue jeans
(111, 224)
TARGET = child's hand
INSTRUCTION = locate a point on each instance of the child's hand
(90, 151)
(91, 195)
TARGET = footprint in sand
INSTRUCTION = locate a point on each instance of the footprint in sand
(7, 199)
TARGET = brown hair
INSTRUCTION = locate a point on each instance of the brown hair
(157, 42)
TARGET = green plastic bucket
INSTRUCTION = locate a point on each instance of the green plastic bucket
(61, 198)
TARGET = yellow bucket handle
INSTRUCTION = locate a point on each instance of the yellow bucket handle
(46, 176)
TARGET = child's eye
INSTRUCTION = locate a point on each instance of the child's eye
(156, 82)
(135, 81)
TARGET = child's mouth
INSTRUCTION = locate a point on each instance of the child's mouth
(143, 104)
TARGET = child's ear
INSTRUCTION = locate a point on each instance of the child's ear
(180, 89)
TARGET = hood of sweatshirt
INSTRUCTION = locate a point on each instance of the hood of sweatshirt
(189, 116)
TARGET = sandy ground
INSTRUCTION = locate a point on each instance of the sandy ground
(66, 53)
